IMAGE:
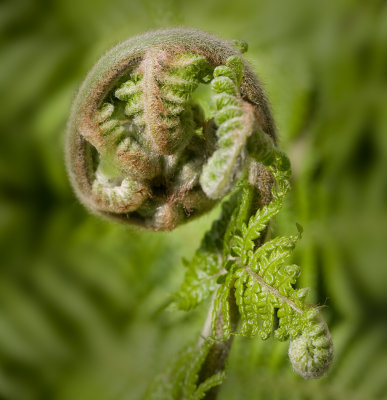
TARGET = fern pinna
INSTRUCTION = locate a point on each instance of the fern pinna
(229, 262)
(142, 150)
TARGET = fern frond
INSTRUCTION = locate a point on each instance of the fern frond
(252, 275)
(263, 286)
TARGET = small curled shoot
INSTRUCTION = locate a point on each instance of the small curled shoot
(311, 353)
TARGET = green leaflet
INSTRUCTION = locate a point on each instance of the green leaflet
(205, 268)
(209, 263)
(180, 380)
(234, 119)
(264, 284)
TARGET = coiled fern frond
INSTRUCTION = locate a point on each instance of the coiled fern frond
(141, 149)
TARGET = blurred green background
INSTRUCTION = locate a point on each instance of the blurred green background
(80, 298)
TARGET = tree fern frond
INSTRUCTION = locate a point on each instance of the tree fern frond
(259, 279)
(263, 285)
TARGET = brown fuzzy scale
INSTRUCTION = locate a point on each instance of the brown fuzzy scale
(83, 129)
(195, 199)
(136, 162)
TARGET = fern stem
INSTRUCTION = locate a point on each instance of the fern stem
(215, 361)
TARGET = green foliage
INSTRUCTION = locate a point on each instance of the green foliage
(180, 380)
(259, 279)
(204, 269)
(243, 243)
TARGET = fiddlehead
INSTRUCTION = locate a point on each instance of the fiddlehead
(158, 98)
(141, 150)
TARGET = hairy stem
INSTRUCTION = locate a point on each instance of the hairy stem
(219, 351)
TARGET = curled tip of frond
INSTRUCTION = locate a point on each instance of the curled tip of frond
(311, 353)
(140, 148)
(241, 45)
